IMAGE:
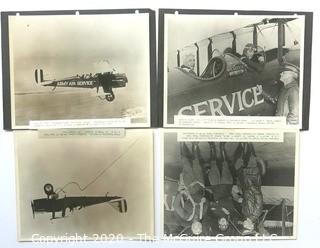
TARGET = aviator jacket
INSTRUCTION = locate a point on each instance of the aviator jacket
(249, 180)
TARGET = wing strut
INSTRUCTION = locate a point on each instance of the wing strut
(234, 42)
(198, 59)
(210, 49)
(281, 40)
(255, 36)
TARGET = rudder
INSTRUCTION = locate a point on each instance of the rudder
(38, 74)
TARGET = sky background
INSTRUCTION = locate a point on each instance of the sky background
(68, 45)
(59, 161)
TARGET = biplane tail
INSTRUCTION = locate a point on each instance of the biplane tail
(39, 77)
(38, 74)
(120, 205)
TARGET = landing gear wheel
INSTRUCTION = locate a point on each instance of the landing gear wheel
(110, 97)
(48, 189)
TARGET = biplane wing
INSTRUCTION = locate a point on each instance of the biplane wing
(71, 203)
(53, 203)
(223, 79)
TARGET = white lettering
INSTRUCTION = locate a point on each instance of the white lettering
(196, 106)
(35, 237)
(216, 109)
(186, 108)
(230, 107)
(84, 83)
(257, 91)
(62, 83)
(239, 101)
(244, 99)
(75, 83)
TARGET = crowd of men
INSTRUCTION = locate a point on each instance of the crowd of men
(219, 194)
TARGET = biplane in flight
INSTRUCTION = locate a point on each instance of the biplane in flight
(228, 85)
(277, 217)
(107, 80)
(53, 203)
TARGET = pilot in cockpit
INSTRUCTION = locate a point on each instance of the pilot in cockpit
(189, 63)
(252, 58)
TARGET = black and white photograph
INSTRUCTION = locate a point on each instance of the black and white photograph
(233, 65)
(77, 67)
(95, 187)
(223, 189)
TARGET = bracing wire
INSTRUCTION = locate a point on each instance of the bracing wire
(58, 190)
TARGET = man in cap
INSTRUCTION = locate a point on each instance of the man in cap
(253, 59)
(189, 63)
(288, 100)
